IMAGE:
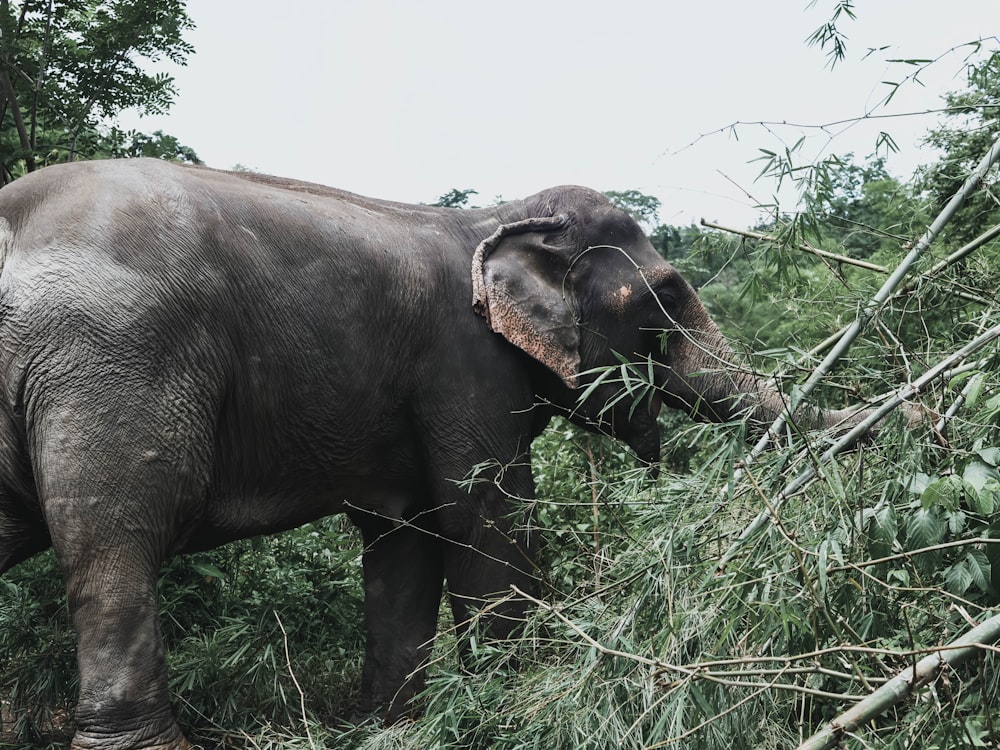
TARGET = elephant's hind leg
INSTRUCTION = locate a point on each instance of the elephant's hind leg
(118, 484)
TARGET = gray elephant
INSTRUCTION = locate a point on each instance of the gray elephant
(189, 357)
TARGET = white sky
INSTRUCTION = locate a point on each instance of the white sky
(406, 100)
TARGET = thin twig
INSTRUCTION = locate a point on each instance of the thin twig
(911, 553)
(302, 695)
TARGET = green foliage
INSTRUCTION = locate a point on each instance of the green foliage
(38, 682)
(223, 614)
(866, 211)
(129, 144)
(972, 126)
(641, 207)
(455, 198)
(829, 36)
(65, 67)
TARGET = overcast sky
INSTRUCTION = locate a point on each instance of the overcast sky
(406, 100)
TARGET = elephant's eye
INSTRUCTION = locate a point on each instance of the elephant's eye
(663, 305)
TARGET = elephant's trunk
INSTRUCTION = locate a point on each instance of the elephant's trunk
(710, 381)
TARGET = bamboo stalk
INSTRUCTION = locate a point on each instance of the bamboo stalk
(805, 247)
(845, 441)
(846, 338)
(906, 683)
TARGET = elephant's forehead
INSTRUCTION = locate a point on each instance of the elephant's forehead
(621, 292)
(656, 274)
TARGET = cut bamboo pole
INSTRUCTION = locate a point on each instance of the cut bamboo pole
(906, 683)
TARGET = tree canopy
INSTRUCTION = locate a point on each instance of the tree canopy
(66, 67)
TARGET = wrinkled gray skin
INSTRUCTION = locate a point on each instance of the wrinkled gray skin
(189, 357)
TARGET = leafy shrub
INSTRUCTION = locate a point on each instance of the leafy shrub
(227, 617)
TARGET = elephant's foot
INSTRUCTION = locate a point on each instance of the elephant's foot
(171, 740)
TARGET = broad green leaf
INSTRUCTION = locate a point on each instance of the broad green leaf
(958, 578)
(990, 455)
(979, 474)
(918, 482)
(975, 389)
(983, 483)
(208, 570)
(886, 524)
(979, 569)
(945, 492)
(924, 529)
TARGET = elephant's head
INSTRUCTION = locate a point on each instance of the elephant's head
(578, 286)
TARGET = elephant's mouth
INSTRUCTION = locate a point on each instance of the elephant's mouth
(644, 432)
(655, 403)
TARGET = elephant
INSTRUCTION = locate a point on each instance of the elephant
(190, 356)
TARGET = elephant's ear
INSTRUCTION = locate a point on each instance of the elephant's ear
(519, 286)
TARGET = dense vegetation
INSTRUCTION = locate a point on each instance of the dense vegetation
(66, 67)
(642, 638)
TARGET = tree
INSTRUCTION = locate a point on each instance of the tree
(67, 66)
(641, 207)
(972, 125)
(158, 145)
(455, 198)
(862, 209)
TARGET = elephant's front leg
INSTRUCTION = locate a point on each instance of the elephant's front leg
(403, 579)
(489, 550)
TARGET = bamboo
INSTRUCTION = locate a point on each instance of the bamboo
(964, 251)
(846, 339)
(971, 184)
(805, 247)
(812, 471)
(906, 683)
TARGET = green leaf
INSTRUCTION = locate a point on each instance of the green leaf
(990, 456)
(978, 474)
(983, 482)
(958, 578)
(885, 522)
(975, 389)
(208, 570)
(824, 553)
(979, 569)
(956, 522)
(945, 492)
(918, 482)
(924, 529)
